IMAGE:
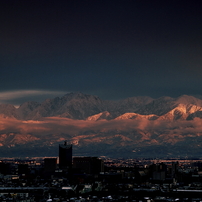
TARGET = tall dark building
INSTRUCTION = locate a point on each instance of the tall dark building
(50, 165)
(5, 168)
(91, 165)
(65, 156)
(23, 169)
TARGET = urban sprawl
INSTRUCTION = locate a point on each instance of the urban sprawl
(67, 178)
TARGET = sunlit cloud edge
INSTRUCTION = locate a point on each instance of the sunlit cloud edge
(11, 96)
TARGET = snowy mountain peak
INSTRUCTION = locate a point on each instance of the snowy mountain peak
(164, 126)
(103, 115)
(83, 106)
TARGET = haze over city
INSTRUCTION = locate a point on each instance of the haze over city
(112, 49)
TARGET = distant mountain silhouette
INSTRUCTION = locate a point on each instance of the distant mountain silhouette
(132, 127)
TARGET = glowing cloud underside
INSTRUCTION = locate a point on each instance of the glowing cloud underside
(57, 125)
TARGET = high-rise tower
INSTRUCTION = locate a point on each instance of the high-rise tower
(65, 156)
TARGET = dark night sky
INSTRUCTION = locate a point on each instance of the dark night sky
(110, 48)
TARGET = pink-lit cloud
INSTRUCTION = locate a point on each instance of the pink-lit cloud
(57, 125)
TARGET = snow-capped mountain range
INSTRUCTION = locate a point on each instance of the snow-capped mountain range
(132, 127)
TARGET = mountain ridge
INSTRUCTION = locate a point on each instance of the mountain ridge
(81, 106)
(102, 127)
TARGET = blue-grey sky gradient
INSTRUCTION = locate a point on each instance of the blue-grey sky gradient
(113, 49)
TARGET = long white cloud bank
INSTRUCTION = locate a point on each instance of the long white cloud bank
(12, 96)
